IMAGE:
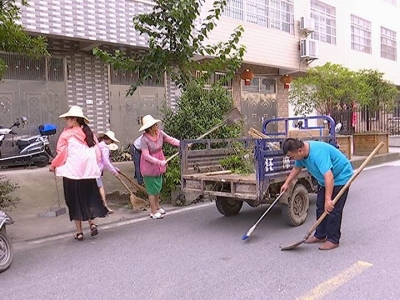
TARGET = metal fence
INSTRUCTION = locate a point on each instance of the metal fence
(363, 120)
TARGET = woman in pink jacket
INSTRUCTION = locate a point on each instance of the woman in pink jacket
(105, 140)
(77, 162)
(153, 163)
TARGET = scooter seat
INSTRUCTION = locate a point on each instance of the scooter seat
(23, 143)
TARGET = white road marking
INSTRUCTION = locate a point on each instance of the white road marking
(337, 281)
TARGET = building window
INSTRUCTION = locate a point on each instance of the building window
(325, 22)
(388, 44)
(257, 12)
(217, 77)
(281, 15)
(260, 85)
(235, 9)
(20, 67)
(123, 77)
(360, 35)
(275, 14)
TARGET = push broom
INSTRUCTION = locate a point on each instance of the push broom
(251, 230)
(137, 203)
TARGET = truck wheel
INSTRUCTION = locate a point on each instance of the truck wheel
(6, 251)
(295, 213)
(228, 206)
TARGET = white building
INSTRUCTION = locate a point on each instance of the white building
(292, 35)
(355, 33)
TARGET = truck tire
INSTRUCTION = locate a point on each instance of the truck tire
(295, 212)
(6, 251)
(228, 206)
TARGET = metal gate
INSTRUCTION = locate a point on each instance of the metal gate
(126, 112)
(34, 89)
(258, 102)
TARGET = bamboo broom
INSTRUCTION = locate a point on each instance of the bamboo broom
(137, 203)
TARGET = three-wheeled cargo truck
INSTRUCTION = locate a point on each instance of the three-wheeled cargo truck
(202, 172)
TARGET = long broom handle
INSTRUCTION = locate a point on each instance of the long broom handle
(138, 186)
(126, 187)
(58, 193)
(268, 209)
(345, 187)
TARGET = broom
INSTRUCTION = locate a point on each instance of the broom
(136, 185)
(137, 203)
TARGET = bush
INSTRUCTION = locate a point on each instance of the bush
(241, 161)
(198, 111)
(7, 187)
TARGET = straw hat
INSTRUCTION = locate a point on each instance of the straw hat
(148, 121)
(111, 135)
(113, 147)
(75, 111)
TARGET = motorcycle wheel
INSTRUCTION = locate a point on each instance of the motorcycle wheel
(42, 160)
(6, 251)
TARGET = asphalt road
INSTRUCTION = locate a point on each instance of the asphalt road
(199, 254)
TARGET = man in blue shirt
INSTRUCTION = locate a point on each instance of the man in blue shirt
(332, 170)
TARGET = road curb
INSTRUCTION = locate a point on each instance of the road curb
(376, 160)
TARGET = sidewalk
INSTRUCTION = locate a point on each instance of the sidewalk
(38, 193)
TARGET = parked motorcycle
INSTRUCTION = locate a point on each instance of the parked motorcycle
(33, 150)
(6, 248)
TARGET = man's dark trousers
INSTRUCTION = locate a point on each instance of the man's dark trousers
(136, 153)
(330, 226)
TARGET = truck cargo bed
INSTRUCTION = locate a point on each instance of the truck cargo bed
(242, 186)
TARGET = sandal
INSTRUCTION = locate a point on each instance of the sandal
(79, 236)
(93, 230)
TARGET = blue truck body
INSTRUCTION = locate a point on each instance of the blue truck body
(202, 173)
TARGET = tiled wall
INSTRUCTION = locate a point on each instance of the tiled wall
(96, 20)
(87, 82)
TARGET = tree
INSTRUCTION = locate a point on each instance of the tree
(174, 41)
(13, 37)
(198, 110)
(325, 87)
(381, 96)
(381, 93)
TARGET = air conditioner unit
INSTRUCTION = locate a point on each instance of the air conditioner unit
(308, 49)
(307, 24)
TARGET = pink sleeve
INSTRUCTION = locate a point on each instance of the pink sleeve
(105, 153)
(98, 153)
(146, 154)
(170, 140)
(62, 151)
